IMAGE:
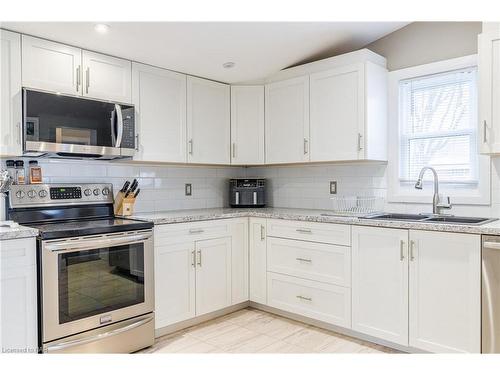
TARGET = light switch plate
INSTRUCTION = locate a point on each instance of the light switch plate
(333, 187)
(188, 189)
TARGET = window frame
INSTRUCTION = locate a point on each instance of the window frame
(400, 191)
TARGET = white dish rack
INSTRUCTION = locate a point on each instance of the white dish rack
(354, 204)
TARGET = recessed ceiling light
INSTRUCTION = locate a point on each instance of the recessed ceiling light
(228, 65)
(101, 28)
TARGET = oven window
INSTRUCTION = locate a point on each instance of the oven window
(96, 281)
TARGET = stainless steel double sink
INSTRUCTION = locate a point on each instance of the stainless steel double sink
(449, 219)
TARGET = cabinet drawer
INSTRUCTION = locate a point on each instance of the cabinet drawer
(314, 261)
(18, 253)
(338, 234)
(324, 302)
(200, 230)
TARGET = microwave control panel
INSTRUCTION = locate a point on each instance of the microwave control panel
(128, 140)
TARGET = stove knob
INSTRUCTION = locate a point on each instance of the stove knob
(32, 194)
(20, 194)
(105, 191)
(87, 192)
(96, 191)
(42, 193)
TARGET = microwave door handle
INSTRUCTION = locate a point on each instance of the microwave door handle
(113, 127)
(119, 121)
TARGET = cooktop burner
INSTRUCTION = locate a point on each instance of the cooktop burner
(78, 228)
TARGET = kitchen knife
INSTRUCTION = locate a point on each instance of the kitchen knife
(125, 186)
(134, 185)
(137, 193)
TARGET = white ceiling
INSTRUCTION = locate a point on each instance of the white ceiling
(259, 49)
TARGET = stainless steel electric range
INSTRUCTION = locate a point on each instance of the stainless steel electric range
(95, 271)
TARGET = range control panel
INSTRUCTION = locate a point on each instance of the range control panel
(59, 194)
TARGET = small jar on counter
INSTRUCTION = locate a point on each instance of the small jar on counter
(20, 172)
(11, 168)
(35, 172)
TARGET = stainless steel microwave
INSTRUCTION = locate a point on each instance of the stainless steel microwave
(67, 126)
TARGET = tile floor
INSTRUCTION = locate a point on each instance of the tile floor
(254, 331)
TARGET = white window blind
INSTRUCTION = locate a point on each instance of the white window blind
(438, 126)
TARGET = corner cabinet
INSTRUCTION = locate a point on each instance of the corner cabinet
(10, 94)
(208, 121)
(159, 97)
(489, 91)
(247, 125)
(18, 328)
(287, 121)
(348, 113)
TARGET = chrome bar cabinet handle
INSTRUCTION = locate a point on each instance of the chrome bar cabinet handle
(485, 128)
(303, 230)
(306, 146)
(199, 258)
(304, 298)
(412, 248)
(402, 250)
(87, 81)
(304, 260)
(262, 233)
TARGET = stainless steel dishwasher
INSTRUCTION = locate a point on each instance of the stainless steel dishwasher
(490, 295)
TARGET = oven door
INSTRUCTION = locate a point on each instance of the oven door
(90, 282)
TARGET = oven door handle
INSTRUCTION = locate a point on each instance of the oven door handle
(101, 336)
(66, 246)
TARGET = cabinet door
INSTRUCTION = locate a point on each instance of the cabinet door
(445, 291)
(208, 121)
(337, 113)
(287, 121)
(489, 92)
(18, 295)
(380, 283)
(258, 260)
(10, 94)
(174, 283)
(247, 125)
(239, 260)
(159, 97)
(213, 275)
(51, 66)
(107, 78)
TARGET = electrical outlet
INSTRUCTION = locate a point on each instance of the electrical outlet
(333, 187)
(188, 189)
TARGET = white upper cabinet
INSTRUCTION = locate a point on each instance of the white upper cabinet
(247, 125)
(348, 113)
(107, 78)
(445, 292)
(10, 94)
(51, 66)
(68, 70)
(208, 121)
(489, 91)
(159, 97)
(380, 283)
(287, 121)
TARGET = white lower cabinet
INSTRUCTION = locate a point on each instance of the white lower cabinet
(194, 264)
(445, 291)
(18, 328)
(380, 283)
(257, 260)
(326, 302)
(418, 288)
(213, 275)
(175, 296)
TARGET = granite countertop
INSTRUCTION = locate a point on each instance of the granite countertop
(185, 216)
(7, 233)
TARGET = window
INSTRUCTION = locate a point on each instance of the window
(438, 125)
(433, 122)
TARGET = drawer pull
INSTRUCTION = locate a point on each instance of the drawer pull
(304, 230)
(193, 255)
(262, 233)
(196, 231)
(402, 251)
(304, 298)
(304, 260)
